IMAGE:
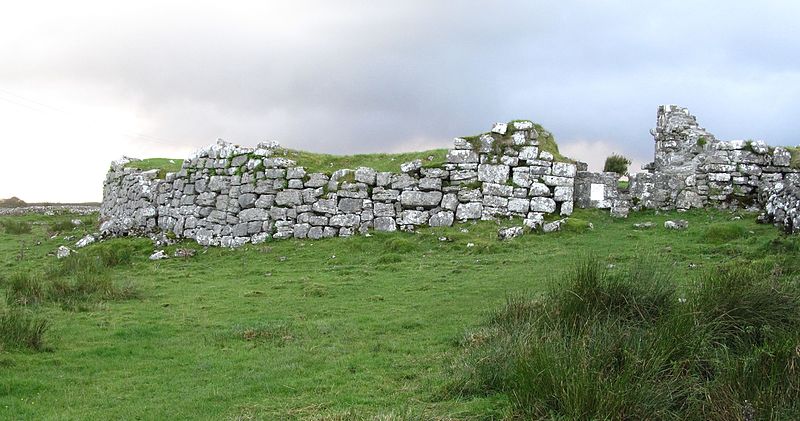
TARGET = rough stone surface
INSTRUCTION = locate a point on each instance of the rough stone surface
(678, 224)
(509, 233)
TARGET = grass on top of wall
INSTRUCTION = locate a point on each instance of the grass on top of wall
(795, 152)
(320, 162)
(386, 162)
(164, 165)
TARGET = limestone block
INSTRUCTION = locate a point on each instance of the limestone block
(325, 206)
(543, 204)
(430, 183)
(517, 205)
(563, 169)
(411, 198)
(366, 175)
(563, 194)
(490, 173)
(289, 198)
(441, 219)
(472, 210)
(350, 205)
(385, 224)
(450, 201)
(462, 156)
(345, 220)
(493, 189)
(413, 217)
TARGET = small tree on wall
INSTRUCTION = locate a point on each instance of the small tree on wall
(618, 164)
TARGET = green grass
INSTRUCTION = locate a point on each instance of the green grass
(164, 165)
(21, 330)
(333, 329)
(11, 226)
(633, 344)
(795, 152)
(326, 163)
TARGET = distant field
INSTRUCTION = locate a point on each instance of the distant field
(334, 329)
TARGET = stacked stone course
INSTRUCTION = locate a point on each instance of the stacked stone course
(227, 195)
(692, 169)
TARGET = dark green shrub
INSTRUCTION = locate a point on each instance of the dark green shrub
(62, 225)
(617, 163)
(19, 329)
(15, 227)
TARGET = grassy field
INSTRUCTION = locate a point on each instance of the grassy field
(334, 329)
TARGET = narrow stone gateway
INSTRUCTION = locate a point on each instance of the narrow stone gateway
(228, 195)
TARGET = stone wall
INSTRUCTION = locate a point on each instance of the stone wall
(692, 169)
(229, 195)
(782, 206)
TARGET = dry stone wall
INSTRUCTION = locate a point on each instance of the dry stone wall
(228, 195)
(782, 206)
(692, 169)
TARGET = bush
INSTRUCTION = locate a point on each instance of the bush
(15, 227)
(617, 163)
(19, 329)
(609, 344)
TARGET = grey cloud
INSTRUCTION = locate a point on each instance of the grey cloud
(371, 76)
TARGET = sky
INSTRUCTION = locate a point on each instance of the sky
(84, 82)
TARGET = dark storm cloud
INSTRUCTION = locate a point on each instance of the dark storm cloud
(350, 77)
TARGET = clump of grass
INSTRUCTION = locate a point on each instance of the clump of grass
(15, 227)
(746, 308)
(62, 225)
(604, 344)
(389, 258)
(20, 329)
(99, 258)
(25, 288)
(275, 333)
(724, 232)
(76, 280)
(576, 225)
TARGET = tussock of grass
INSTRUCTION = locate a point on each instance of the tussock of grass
(80, 278)
(724, 232)
(15, 227)
(63, 225)
(25, 288)
(19, 329)
(605, 345)
(576, 225)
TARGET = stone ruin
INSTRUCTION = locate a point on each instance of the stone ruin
(228, 195)
(693, 169)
